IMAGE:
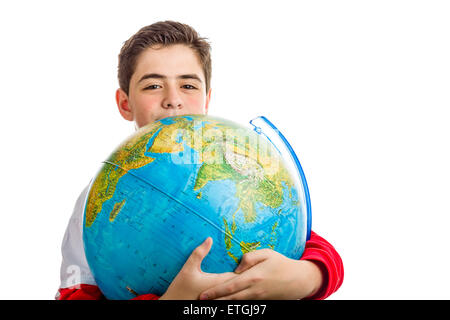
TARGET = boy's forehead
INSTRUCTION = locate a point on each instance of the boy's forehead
(170, 61)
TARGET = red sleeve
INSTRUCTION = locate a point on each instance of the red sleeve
(91, 292)
(321, 252)
(80, 292)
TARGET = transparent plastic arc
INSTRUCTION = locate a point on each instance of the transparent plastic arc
(263, 126)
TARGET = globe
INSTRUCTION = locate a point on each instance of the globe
(177, 181)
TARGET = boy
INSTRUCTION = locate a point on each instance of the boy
(165, 70)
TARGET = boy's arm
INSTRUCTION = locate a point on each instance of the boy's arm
(325, 256)
(266, 274)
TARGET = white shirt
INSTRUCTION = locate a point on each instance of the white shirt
(74, 267)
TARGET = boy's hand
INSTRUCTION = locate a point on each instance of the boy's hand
(266, 274)
(191, 280)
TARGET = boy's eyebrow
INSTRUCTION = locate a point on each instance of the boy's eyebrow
(151, 76)
(160, 76)
(190, 76)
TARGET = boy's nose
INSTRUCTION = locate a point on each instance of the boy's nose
(172, 100)
(171, 105)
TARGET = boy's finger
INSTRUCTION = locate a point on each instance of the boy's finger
(252, 258)
(225, 289)
(199, 253)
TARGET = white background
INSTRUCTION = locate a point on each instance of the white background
(359, 88)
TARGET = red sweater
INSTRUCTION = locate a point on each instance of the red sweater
(317, 250)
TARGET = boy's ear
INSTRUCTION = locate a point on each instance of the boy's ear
(208, 98)
(123, 105)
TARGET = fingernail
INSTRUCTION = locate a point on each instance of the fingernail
(204, 296)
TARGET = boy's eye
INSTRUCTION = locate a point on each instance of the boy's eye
(188, 86)
(152, 86)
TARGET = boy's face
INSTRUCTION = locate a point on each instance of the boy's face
(167, 81)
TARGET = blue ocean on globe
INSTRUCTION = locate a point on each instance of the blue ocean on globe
(177, 181)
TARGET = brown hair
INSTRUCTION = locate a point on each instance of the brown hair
(163, 33)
